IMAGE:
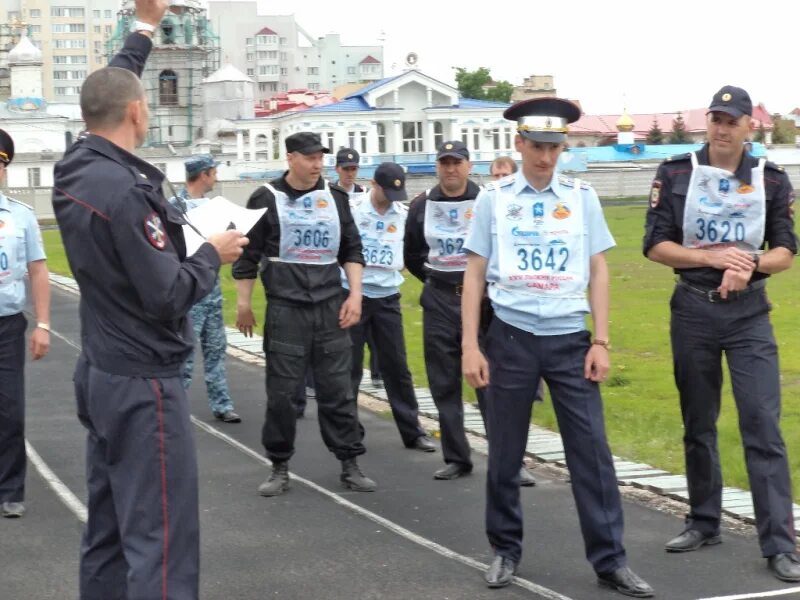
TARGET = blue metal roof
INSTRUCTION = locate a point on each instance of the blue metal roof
(365, 90)
(347, 105)
(473, 103)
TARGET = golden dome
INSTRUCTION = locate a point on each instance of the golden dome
(625, 122)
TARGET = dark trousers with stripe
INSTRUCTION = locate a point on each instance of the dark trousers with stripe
(297, 336)
(383, 318)
(12, 408)
(441, 322)
(141, 540)
(517, 359)
(701, 331)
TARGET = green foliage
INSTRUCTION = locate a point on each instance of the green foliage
(470, 85)
(761, 135)
(679, 134)
(655, 136)
(783, 130)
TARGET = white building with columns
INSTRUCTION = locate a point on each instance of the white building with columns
(404, 118)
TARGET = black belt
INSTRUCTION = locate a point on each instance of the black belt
(440, 284)
(712, 295)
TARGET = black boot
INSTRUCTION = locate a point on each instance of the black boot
(354, 479)
(278, 481)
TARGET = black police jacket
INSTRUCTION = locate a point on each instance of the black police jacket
(668, 199)
(125, 246)
(415, 248)
(295, 283)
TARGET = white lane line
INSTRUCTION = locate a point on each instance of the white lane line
(61, 490)
(772, 594)
(382, 521)
(66, 340)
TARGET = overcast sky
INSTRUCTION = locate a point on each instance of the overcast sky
(649, 56)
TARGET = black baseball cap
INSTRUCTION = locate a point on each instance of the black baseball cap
(543, 119)
(733, 101)
(455, 148)
(392, 180)
(347, 157)
(305, 142)
(6, 148)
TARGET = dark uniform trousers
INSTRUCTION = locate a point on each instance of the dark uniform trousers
(296, 334)
(12, 408)
(141, 541)
(383, 318)
(517, 359)
(701, 330)
(441, 324)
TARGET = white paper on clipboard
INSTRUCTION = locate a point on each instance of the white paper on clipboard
(215, 216)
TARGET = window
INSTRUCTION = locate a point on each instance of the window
(168, 88)
(262, 87)
(351, 70)
(68, 27)
(251, 72)
(476, 138)
(284, 56)
(331, 137)
(68, 90)
(266, 39)
(313, 86)
(268, 70)
(69, 44)
(313, 70)
(248, 41)
(169, 130)
(351, 139)
(438, 134)
(107, 14)
(69, 60)
(249, 57)
(465, 136)
(363, 136)
(284, 87)
(66, 11)
(496, 138)
(13, 15)
(98, 47)
(272, 54)
(284, 71)
(34, 177)
(381, 128)
(66, 75)
(35, 13)
(272, 86)
(283, 41)
(98, 29)
(412, 136)
(507, 135)
(96, 14)
(35, 28)
(108, 29)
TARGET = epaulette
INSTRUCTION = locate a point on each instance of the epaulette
(771, 165)
(676, 157)
(570, 182)
(15, 201)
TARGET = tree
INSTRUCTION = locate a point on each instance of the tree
(679, 135)
(470, 85)
(761, 135)
(655, 135)
(783, 130)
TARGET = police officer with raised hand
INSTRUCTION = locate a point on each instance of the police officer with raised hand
(723, 220)
(21, 252)
(305, 235)
(125, 246)
(381, 220)
(539, 240)
(206, 315)
(436, 227)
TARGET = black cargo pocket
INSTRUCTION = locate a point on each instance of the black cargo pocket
(338, 345)
(285, 360)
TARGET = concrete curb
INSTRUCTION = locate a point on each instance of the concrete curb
(543, 445)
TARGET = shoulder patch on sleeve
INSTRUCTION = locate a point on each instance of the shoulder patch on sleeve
(676, 157)
(655, 193)
(771, 165)
(154, 231)
(15, 201)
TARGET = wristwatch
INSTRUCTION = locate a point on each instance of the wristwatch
(142, 26)
(756, 259)
(603, 343)
(43, 325)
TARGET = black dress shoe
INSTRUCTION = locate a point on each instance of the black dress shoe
(452, 471)
(526, 478)
(691, 539)
(625, 582)
(228, 417)
(785, 567)
(423, 443)
(501, 572)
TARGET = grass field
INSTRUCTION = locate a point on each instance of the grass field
(642, 413)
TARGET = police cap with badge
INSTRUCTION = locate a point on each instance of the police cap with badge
(347, 157)
(6, 148)
(391, 178)
(455, 149)
(197, 163)
(732, 100)
(543, 119)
